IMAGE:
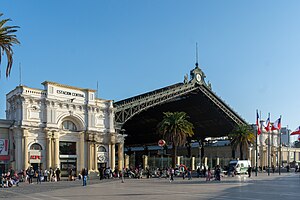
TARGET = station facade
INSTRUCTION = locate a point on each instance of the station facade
(61, 126)
(65, 127)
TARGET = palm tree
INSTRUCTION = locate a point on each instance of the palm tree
(242, 136)
(175, 128)
(7, 40)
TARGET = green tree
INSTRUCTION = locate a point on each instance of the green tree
(174, 129)
(242, 136)
(7, 40)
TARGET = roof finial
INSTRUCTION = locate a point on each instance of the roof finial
(196, 54)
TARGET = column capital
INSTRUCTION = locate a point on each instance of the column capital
(51, 133)
(113, 138)
(25, 132)
(120, 138)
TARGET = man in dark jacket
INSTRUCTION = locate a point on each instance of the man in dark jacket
(249, 170)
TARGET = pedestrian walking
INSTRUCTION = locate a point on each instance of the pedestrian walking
(30, 174)
(38, 173)
(46, 175)
(198, 172)
(204, 172)
(189, 174)
(249, 171)
(208, 177)
(218, 173)
(57, 173)
(171, 172)
(84, 174)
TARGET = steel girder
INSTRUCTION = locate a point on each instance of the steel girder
(126, 109)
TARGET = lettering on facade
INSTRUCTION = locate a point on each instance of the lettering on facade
(69, 93)
(35, 157)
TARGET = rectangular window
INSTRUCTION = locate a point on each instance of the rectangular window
(50, 89)
(67, 148)
(92, 96)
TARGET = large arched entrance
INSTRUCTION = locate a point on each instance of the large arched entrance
(36, 154)
(140, 115)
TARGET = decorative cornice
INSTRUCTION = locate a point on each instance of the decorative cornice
(67, 86)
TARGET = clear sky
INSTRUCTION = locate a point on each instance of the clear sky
(249, 50)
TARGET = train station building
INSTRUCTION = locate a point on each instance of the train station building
(65, 127)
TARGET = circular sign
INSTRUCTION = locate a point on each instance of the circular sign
(161, 143)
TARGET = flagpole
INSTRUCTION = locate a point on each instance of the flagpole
(288, 150)
(269, 158)
(256, 154)
(280, 147)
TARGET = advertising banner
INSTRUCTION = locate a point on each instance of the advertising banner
(3, 147)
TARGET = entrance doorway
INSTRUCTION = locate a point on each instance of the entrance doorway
(67, 165)
(35, 166)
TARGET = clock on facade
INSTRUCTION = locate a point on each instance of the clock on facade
(198, 77)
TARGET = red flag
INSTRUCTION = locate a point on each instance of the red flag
(267, 124)
(276, 125)
(297, 131)
(257, 124)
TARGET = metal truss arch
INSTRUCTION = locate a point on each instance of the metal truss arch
(126, 109)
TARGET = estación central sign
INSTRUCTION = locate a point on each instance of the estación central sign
(69, 93)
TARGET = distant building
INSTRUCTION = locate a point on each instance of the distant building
(6, 145)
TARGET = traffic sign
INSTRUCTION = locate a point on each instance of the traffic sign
(161, 143)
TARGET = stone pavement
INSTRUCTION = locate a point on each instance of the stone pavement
(285, 186)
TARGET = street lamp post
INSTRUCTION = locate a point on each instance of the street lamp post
(162, 143)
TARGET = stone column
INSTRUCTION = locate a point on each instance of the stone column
(253, 157)
(90, 156)
(48, 150)
(193, 163)
(95, 157)
(205, 162)
(19, 150)
(56, 151)
(261, 156)
(81, 151)
(249, 157)
(25, 147)
(178, 160)
(127, 161)
(274, 161)
(145, 162)
(113, 156)
(121, 156)
(266, 157)
(218, 161)
(109, 155)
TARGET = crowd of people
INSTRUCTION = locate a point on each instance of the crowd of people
(9, 179)
(12, 178)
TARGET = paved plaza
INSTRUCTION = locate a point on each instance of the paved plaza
(285, 186)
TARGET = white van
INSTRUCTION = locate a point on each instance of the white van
(240, 166)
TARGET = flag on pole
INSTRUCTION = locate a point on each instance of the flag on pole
(267, 124)
(276, 125)
(257, 124)
(297, 131)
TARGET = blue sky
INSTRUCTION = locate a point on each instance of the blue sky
(249, 50)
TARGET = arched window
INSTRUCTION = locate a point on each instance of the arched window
(35, 146)
(69, 125)
(101, 149)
